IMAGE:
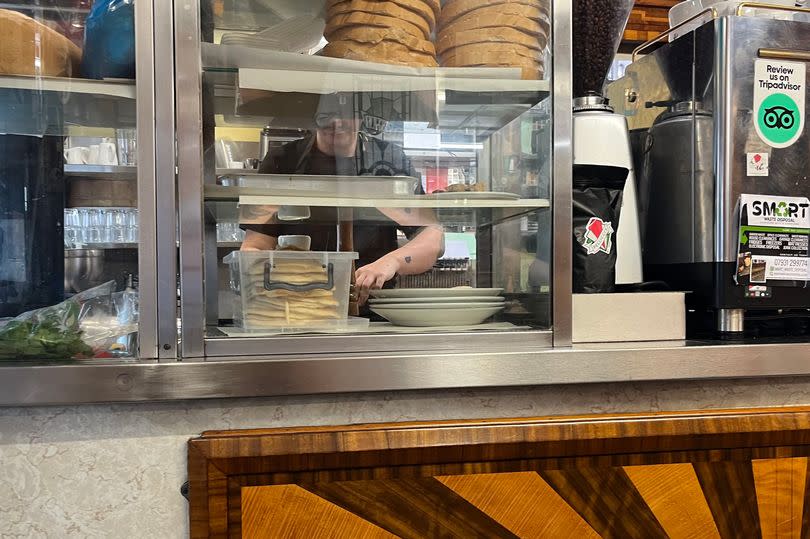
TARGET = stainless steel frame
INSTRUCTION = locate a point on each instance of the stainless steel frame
(165, 167)
(146, 174)
(188, 85)
(562, 227)
(325, 373)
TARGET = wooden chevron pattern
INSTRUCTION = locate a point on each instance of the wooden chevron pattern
(744, 490)
(753, 499)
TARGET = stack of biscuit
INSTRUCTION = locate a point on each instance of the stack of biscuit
(386, 31)
(279, 307)
(494, 33)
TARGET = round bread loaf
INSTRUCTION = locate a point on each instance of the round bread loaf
(418, 7)
(386, 52)
(485, 53)
(449, 39)
(31, 48)
(475, 21)
(374, 36)
(527, 72)
(387, 9)
(358, 18)
(454, 9)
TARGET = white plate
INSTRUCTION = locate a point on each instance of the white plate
(458, 292)
(475, 195)
(468, 299)
(436, 317)
(436, 306)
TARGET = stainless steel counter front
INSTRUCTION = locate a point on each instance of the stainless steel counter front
(65, 384)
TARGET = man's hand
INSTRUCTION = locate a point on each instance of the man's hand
(373, 276)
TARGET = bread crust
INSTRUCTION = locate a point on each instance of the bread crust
(57, 55)
(386, 52)
(374, 36)
(358, 18)
(449, 40)
(417, 7)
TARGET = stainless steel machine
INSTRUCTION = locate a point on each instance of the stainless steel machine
(717, 119)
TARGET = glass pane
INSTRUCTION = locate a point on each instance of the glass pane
(68, 190)
(376, 167)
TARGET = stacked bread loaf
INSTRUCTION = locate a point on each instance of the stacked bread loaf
(494, 33)
(31, 48)
(386, 31)
(280, 307)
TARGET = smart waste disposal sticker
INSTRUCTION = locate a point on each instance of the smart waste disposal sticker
(774, 241)
(779, 97)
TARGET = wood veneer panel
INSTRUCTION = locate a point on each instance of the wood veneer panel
(219, 460)
(673, 494)
(288, 511)
(607, 500)
(730, 491)
(523, 503)
(780, 485)
(414, 508)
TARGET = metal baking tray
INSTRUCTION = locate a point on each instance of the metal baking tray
(254, 183)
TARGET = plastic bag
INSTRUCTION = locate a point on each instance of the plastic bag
(81, 326)
(109, 324)
(109, 40)
(597, 200)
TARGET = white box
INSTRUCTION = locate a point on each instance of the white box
(642, 316)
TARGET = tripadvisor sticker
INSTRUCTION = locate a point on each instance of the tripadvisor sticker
(779, 98)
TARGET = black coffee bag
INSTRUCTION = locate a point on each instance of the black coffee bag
(597, 197)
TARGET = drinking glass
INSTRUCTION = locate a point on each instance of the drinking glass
(116, 225)
(132, 225)
(127, 143)
(91, 222)
(72, 227)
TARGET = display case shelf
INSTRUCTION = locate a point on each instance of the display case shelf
(260, 84)
(254, 196)
(122, 89)
(101, 171)
(50, 106)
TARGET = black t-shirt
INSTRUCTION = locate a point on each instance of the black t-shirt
(374, 158)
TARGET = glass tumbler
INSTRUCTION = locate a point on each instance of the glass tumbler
(91, 221)
(127, 144)
(132, 225)
(116, 225)
(72, 227)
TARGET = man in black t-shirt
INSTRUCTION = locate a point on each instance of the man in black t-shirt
(338, 148)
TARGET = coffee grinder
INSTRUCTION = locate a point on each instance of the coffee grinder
(724, 166)
(600, 136)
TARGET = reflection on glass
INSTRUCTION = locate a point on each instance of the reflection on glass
(59, 186)
(437, 178)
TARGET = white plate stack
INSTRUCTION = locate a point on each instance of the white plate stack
(435, 307)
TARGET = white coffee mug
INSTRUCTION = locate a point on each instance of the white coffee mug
(92, 157)
(78, 155)
(107, 154)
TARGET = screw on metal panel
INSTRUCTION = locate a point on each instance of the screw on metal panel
(167, 346)
(631, 95)
(124, 382)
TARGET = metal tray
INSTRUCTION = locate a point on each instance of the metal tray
(323, 185)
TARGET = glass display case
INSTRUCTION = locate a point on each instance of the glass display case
(366, 176)
(77, 210)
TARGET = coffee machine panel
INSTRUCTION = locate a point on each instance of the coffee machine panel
(690, 107)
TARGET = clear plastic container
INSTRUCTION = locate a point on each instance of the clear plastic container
(277, 289)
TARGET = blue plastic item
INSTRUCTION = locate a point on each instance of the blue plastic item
(109, 40)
